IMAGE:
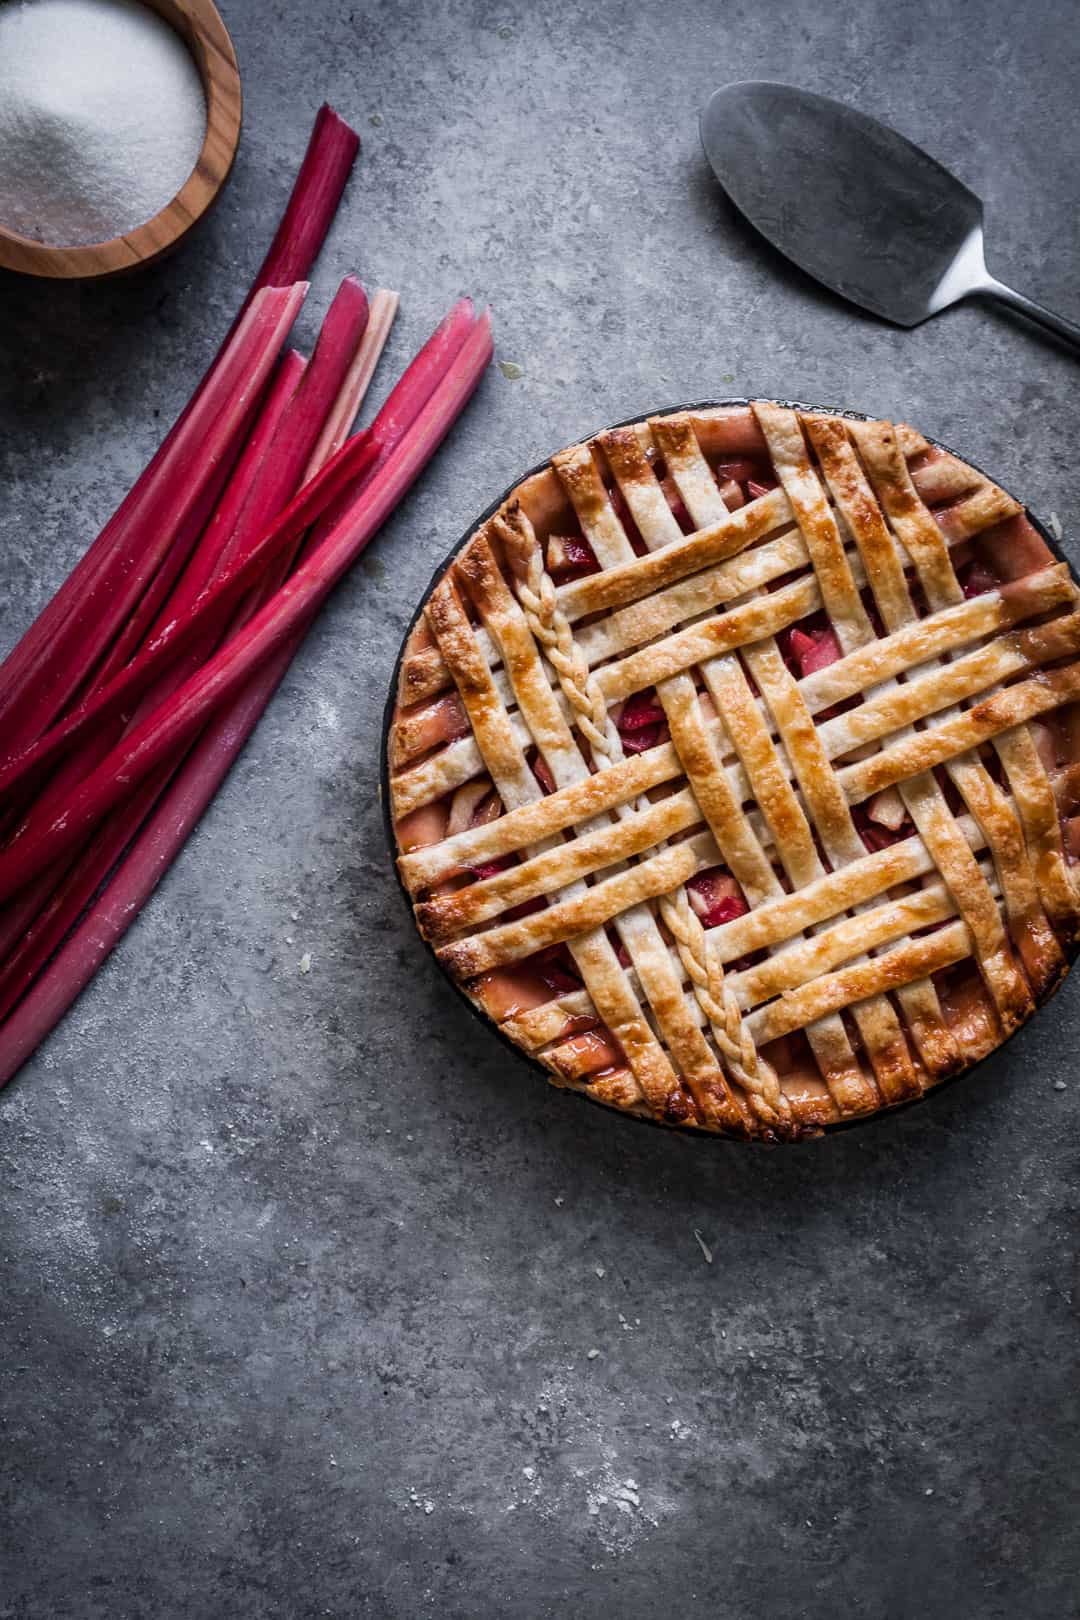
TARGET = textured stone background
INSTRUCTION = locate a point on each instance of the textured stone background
(301, 1272)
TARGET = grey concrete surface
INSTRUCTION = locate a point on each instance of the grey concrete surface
(301, 1273)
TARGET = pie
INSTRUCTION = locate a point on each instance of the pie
(732, 767)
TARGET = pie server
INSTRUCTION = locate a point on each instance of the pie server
(855, 204)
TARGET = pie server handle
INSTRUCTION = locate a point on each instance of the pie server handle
(1069, 331)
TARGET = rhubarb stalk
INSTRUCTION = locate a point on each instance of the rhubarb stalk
(339, 422)
(392, 421)
(302, 398)
(184, 803)
(274, 480)
(315, 196)
(280, 443)
(95, 742)
(173, 723)
(209, 435)
(313, 202)
(352, 463)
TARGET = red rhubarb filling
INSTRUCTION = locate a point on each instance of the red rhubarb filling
(716, 897)
(569, 557)
(641, 722)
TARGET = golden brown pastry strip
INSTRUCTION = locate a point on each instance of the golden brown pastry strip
(985, 720)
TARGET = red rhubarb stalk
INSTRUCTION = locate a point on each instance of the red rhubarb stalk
(226, 515)
(338, 424)
(42, 914)
(411, 392)
(395, 417)
(19, 917)
(273, 483)
(162, 734)
(315, 196)
(157, 593)
(352, 463)
(313, 202)
(45, 921)
(158, 843)
(230, 494)
(415, 386)
(71, 970)
(286, 457)
(46, 909)
(209, 435)
(96, 742)
(55, 911)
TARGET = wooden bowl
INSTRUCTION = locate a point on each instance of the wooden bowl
(200, 26)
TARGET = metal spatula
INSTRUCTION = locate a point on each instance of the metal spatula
(854, 204)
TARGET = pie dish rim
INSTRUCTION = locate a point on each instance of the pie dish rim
(684, 1129)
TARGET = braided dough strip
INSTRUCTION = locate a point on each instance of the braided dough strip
(594, 956)
(759, 776)
(660, 531)
(537, 594)
(637, 928)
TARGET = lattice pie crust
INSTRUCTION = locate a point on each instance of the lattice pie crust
(732, 767)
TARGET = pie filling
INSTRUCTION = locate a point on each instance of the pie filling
(734, 768)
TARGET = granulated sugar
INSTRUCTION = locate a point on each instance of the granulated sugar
(102, 118)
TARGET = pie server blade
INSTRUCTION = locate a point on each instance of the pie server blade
(854, 204)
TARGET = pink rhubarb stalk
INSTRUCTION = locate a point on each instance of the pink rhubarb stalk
(338, 424)
(412, 390)
(71, 970)
(329, 493)
(172, 725)
(352, 463)
(209, 436)
(44, 912)
(287, 455)
(93, 746)
(273, 483)
(315, 196)
(156, 847)
(331, 152)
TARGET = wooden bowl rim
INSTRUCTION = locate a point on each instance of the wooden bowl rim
(200, 26)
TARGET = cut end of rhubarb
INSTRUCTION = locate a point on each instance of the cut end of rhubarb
(328, 118)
